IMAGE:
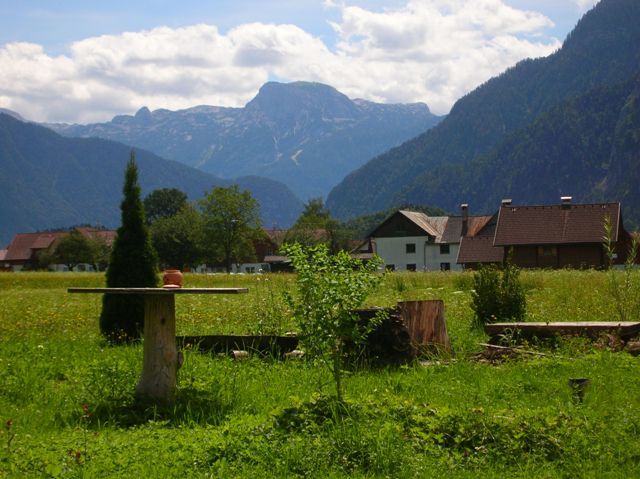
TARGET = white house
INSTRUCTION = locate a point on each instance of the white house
(413, 241)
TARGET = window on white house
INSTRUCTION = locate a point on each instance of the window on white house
(444, 249)
(390, 267)
(445, 266)
(410, 248)
(411, 267)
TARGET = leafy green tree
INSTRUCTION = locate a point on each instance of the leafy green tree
(164, 203)
(101, 253)
(315, 226)
(179, 239)
(133, 264)
(329, 288)
(74, 249)
(231, 222)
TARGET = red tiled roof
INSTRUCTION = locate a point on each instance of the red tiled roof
(108, 236)
(479, 249)
(23, 245)
(556, 224)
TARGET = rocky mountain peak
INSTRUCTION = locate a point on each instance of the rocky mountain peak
(143, 116)
(286, 101)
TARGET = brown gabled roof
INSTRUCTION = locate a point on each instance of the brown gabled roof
(479, 249)
(556, 224)
(453, 229)
(108, 236)
(477, 223)
(423, 221)
(25, 244)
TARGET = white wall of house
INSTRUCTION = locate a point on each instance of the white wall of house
(242, 268)
(397, 253)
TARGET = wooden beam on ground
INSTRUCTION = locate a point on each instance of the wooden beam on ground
(625, 329)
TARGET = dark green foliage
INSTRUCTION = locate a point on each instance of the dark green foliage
(498, 295)
(74, 249)
(316, 226)
(179, 239)
(133, 263)
(438, 168)
(231, 223)
(163, 203)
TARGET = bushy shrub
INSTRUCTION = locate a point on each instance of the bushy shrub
(498, 295)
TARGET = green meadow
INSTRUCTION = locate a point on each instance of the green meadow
(67, 407)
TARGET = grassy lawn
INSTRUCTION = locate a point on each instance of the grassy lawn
(67, 405)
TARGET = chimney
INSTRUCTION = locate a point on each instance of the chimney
(506, 202)
(465, 218)
(566, 201)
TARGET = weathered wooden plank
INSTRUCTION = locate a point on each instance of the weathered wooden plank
(623, 328)
(156, 291)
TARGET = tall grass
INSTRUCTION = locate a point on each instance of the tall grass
(67, 408)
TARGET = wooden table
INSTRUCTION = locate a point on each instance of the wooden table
(160, 363)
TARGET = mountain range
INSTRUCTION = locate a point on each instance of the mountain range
(305, 135)
(49, 181)
(566, 124)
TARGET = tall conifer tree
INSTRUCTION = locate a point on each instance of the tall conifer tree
(133, 263)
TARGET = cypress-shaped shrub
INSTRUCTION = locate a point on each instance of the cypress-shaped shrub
(133, 263)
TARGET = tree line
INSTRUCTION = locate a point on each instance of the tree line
(223, 228)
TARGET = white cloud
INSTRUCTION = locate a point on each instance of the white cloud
(428, 50)
(585, 5)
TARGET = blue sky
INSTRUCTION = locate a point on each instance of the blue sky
(82, 61)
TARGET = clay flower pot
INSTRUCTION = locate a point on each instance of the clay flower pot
(172, 278)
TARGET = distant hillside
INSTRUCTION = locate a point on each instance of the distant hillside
(306, 135)
(602, 51)
(49, 181)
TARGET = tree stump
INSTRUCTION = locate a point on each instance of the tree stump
(426, 325)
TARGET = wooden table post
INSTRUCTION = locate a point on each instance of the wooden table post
(160, 363)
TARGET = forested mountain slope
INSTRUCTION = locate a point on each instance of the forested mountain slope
(602, 51)
(48, 181)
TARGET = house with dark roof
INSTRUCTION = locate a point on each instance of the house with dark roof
(23, 251)
(564, 235)
(477, 249)
(413, 241)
